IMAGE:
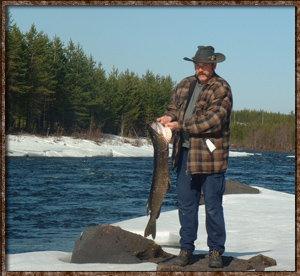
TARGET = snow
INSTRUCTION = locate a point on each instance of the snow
(255, 223)
(112, 146)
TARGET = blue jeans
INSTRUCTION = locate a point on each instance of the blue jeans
(189, 194)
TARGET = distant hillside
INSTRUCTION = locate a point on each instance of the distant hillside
(262, 130)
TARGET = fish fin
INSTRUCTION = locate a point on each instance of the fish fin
(151, 228)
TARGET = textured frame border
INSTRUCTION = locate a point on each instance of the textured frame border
(296, 4)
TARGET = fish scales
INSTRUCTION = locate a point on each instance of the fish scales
(160, 177)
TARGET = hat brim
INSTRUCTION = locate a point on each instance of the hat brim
(219, 58)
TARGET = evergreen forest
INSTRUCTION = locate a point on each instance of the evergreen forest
(52, 89)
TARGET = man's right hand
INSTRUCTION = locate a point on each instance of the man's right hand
(164, 119)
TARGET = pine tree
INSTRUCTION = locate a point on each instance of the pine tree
(97, 102)
(16, 87)
(41, 79)
(58, 62)
(110, 112)
(128, 103)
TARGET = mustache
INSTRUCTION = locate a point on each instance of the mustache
(202, 74)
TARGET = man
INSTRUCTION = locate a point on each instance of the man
(199, 115)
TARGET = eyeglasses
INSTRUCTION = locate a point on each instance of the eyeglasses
(202, 65)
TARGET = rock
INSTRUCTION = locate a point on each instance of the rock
(260, 262)
(111, 244)
(235, 187)
(200, 263)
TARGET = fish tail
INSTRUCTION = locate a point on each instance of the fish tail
(151, 228)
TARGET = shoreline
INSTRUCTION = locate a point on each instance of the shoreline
(278, 244)
(103, 137)
(106, 145)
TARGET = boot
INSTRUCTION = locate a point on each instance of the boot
(215, 259)
(183, 259)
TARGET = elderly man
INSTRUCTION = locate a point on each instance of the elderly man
(199, 115)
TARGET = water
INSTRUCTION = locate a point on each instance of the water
(50, 201)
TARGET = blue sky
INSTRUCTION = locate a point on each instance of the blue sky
(258, 42)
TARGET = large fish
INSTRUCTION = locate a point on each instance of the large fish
(160, 137)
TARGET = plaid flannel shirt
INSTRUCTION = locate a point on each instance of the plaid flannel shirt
(210, 120)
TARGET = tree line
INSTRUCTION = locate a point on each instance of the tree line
(53, 89)
(260, 130)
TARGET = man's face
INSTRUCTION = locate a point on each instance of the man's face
(204, 71)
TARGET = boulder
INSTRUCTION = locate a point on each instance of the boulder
(200, 263)
(235, 187)
(111, 244)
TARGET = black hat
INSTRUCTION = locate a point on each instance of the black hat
(206, 54)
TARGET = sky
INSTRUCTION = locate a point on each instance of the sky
(258, 42)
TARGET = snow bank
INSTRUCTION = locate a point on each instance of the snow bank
(113, 146)
(256, 224)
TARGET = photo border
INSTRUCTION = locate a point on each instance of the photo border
(296, 4)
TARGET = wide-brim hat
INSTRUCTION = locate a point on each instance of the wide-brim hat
(206, 54)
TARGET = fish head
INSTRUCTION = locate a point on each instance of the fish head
(160, 135)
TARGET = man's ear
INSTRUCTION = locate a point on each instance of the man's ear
(214, 66)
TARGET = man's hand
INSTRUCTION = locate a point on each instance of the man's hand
(164, 120)
(172, 125)
(167, 122)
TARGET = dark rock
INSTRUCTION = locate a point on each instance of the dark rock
(260, 262)
(235, 187)
(111, 244)
(200, 263)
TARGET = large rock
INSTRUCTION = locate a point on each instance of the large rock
(111, 244)
(200, 263)
(235, 187)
